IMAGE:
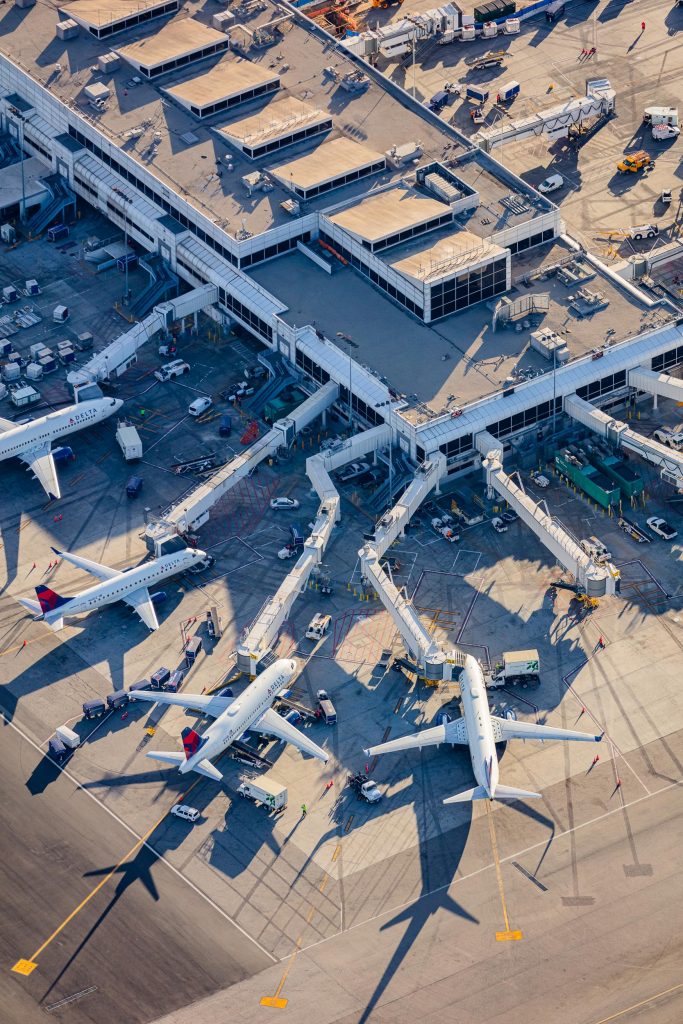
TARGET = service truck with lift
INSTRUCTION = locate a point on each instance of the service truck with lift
(516, 667)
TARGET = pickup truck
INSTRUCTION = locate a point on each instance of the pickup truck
(364, 788)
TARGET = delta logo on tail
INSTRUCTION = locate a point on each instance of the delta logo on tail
(49, 600)
(192, 742)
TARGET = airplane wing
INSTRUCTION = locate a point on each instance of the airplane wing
(42, 465)
(512, 730)
(213, 706)
(275, 725)
(6, 425)
(103, 572)
(451, 732)
(141, 602)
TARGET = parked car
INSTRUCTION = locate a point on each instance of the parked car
(551, 183)
(509, 516)
(661, 528)
(498, 525)
(200, 405)
(278, 504)
(176, 368)
(225, 426)
(185, 812)
(286, 552)
(539, 479)
(353, 470)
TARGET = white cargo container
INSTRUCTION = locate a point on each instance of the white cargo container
(129, 442)
(60, 314)
(68, 737)
(265, 791)
(25, 396)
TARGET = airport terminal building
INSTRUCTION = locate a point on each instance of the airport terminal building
(344, 225)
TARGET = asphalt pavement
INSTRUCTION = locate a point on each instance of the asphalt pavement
(147, 942)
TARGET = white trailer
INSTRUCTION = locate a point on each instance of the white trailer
(129, 442)
(265, 791)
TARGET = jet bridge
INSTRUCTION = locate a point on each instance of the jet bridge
(120, 354)
(595, 580)
(194, 509)
(263, 632)
(659, 385)
(554, 123)
(431, 660)
(621, 436)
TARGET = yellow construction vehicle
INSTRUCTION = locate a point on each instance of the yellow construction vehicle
(634, 162)
(386, 3)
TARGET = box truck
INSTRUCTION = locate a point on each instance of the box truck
(129, 442)
(265, 791)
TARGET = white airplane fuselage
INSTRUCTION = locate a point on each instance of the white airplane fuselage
(475, 709)
(127, 582)
(16, 440)
(242, 713)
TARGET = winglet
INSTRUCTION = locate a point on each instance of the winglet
(54, 550)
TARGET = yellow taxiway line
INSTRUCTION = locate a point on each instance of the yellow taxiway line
(508, 934)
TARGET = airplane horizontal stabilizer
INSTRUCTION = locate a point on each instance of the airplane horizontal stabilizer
(206, 768)
(168, 758)
(31, 606)
(508, 793)
(514, 730)
(478, 793)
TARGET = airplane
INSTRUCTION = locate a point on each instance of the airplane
(32, 442)
(233, 717)
(129, 585)
(481, 731)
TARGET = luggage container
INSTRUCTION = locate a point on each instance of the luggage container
(94, 708)
(25, 396)
(60, 314)
(32, 287)
(56, 749)
(34, 371)
(119, 699)
(508, 92)
(10, 294)
(175, 681)
(159, 678)
(192, 649)
(57, 232)
(476, 93)
(48, 363)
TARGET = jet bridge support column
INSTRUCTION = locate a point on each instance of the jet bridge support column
(621, 436)
(595, 580)
(656, 384)
(432, 661)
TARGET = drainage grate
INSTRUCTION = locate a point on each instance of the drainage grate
(61, 1003)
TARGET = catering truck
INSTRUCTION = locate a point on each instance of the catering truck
(516, 667)
(265, 791)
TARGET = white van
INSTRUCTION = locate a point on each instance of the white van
(185, 812)
(551, 183)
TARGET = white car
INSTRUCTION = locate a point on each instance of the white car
(200, 405)
(353, 470)
(286, 552)
(185, 812)
(498, 525)
(661, 528)
(538, 479)
(283, 503)
(551, 183)
(176, 368)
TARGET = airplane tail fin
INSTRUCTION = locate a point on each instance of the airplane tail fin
(49, 600)
(500, 793)
(192, 741)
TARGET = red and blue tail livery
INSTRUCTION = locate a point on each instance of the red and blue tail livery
(49, 600)
(192, 742)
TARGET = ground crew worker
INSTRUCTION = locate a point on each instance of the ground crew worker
(304, 810)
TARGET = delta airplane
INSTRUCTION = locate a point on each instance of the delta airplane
(32, 442)
(481, 731)
(129, 585)
(233, 717)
